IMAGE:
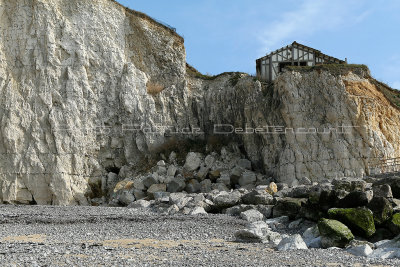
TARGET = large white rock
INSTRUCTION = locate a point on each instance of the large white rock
(126, 197)
(273, 238)
(252, 215)
(362, 250)
(387, 249)
(179, 199)
(258, 232)
(255, 232)
(311, 233)
(192, 162)
(198, 210)
(225, 200)
(140, 204)
(292, 243)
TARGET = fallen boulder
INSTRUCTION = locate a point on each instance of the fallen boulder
(248, 177)
(394, 224)
(156, 188)
(193, 186)
(192, 162)
(198, 210)
(361, 251)
(252, 215)
(257, 197)
(334, 233)
(292, 243)
(140, 204)
(382, 210)
(288, 207)
(254, 233)
(387, 250)
(310, 234)
(382, 191)
(349, 184)
(359, 220)
(226, 200)
(393, 182)
(355, 199)
(177, 184)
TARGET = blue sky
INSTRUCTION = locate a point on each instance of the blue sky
(230, 35)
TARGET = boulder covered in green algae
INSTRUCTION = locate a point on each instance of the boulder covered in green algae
(394, 224)
(359, 220)
(334, 233)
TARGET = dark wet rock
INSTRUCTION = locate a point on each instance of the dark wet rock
(359, 220)
(288, 207)
(382, 209)
(393, 182)
(355, 199)
(382, 191)
(394, 224)
(193, 186)
(349, 184)
(334, 233)
(226, 200)
(257, 197)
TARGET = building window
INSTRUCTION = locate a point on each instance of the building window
(283, 65)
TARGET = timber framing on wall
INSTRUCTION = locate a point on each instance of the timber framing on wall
(295, 54)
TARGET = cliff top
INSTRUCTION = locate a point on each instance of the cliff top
(335, 69)
(193, 72)
(150, 19)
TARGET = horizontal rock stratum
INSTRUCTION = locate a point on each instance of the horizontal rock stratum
(89, 87)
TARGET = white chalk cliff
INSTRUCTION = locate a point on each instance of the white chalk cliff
(83, 81)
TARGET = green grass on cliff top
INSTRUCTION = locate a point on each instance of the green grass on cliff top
(193, 72)
(334, 69)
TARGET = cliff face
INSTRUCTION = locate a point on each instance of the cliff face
(312, 124)
(89, 87)
(69, 70)
(355, 124)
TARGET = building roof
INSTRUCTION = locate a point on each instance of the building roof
(304, 47)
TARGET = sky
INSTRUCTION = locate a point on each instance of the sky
(223, 36)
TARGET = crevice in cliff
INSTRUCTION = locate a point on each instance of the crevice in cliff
(33, 201)
(113, 169)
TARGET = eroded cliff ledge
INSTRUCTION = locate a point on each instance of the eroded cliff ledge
(82, 82)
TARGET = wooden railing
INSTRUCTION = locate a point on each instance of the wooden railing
(381, 166)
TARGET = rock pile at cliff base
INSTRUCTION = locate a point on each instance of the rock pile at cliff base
(360, 215)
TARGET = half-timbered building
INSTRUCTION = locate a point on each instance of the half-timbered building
(295, 54)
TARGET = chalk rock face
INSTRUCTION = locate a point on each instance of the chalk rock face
(77, 81)
(311, 124)
(354, 121)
